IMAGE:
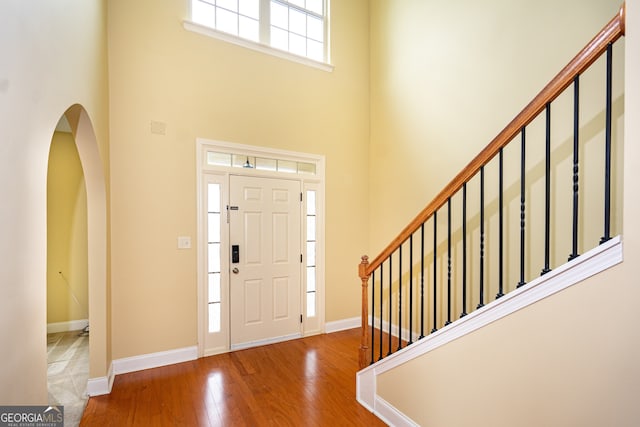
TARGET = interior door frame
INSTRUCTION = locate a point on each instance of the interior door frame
(207, 172)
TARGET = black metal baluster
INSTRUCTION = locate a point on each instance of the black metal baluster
(501, 227)
(400, 298)
(435, 275)
(390, 301)
(381, 304)
(373, 308)
(576, 165)
(448, 262)
(410, 290)
(481, 303)
(607, 165)
(522, 203)
(421, 281)
(464, 250)
(547, 191)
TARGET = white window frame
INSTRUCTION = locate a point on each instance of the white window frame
(208, 173)
(264, 44)
(319, 243)
(221, 337)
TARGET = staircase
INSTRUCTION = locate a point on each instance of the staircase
(534, 213)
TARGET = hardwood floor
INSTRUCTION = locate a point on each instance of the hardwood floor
(305, 382)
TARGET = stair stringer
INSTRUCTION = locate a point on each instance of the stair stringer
(573, 272)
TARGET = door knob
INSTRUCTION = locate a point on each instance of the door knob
(235, 270)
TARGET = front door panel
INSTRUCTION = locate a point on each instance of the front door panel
(265, 283)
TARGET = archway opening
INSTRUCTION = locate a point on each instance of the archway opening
(92, 260)
(67, 275)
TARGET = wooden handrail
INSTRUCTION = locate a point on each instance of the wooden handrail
(587, 56)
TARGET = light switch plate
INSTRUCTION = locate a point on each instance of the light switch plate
(184, 242)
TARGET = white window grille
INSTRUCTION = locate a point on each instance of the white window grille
(311, 253)
(295, 26)
(214, 240)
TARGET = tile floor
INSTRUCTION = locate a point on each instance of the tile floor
(68, 372)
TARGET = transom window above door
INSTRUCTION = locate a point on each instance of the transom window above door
(215, 158)
(298, 27)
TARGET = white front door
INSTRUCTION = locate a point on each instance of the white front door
(264, 260)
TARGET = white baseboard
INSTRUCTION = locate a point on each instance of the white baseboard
(394, 329)
(154, 360)
(391, 416)
(71, 325)
(101, 385)
(342, 325)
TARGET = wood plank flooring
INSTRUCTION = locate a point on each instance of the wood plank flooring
(305, 382)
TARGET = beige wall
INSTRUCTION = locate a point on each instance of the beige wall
(436, 64)
(53, 56)
(202, 87)
(67, 274)
(568, 360)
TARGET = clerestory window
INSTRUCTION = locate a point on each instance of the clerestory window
(295, 26)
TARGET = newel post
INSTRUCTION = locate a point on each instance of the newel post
(364, 344)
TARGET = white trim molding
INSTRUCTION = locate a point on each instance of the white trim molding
(394, 329)
(213, 173)
(391, 416)
(258, 47)
(342, 325)
(101, 385)
(71, 325)
(154, 360)
(595, 261)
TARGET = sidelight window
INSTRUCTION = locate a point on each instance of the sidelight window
(311, 253)
(214, 216)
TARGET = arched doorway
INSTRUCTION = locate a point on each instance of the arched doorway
(67, 277)
(88, 151)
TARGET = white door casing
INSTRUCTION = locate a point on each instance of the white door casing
(265, 289)
(217, 162)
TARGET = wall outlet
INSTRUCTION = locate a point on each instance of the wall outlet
(184, 242)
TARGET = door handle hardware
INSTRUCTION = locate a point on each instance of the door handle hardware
(235, 270)
(229, 209)
(235, 254)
